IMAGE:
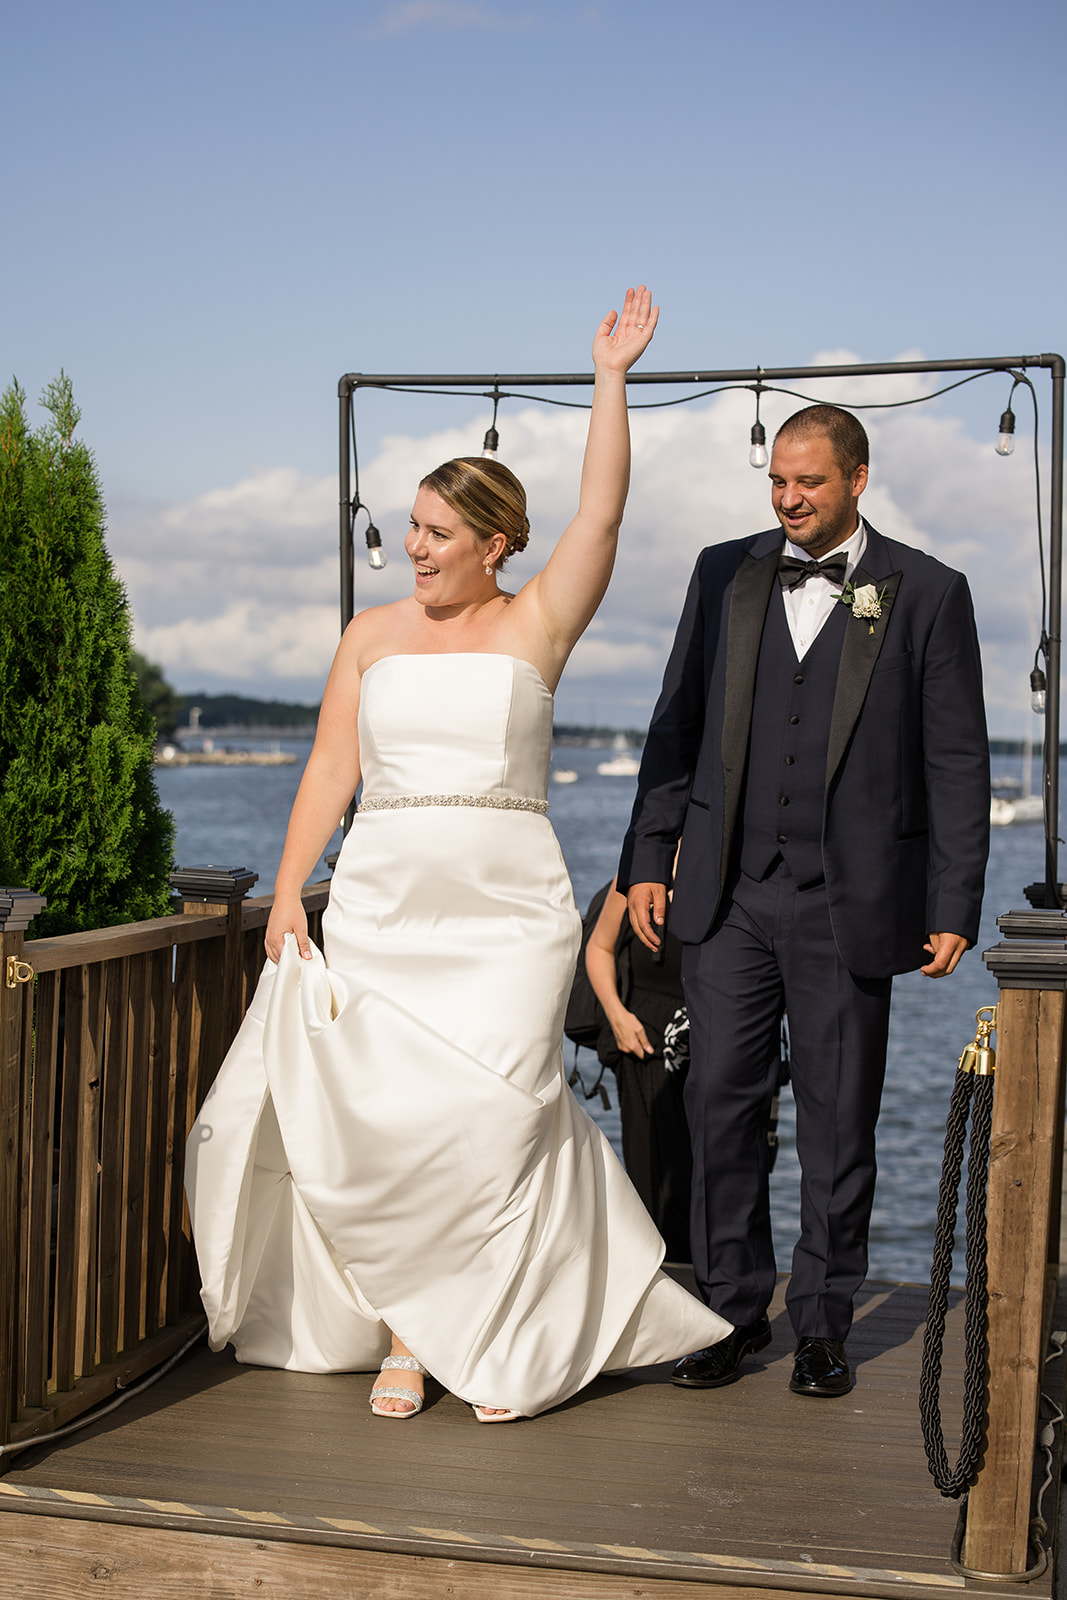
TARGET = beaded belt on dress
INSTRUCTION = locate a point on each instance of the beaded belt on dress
(494, 802)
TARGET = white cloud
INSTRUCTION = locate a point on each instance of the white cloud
(238, 587)
(248, 642)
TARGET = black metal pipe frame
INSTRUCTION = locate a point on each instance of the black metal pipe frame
(352, 381)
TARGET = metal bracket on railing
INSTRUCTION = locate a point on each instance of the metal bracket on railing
(17, 972)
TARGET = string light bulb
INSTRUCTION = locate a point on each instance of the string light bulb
(375, 554)
(1037, 692)
(757, 455)
(1006, 439)
(491, 442)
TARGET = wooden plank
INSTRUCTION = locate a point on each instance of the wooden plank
(113, 944)
(160, 1057)
(37, 1198)
(75, 983)
(1030, 1028)
(89, 1089)
(22, 1159)
(48, 1558)
(11, 945)
(253, 957)
(210, 966)
(112, 1181)
(186, 1044)
(135, 1151)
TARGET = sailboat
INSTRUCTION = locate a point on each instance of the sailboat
(1014, 802)
(621, 765)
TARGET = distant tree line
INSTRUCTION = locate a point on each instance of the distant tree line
(170, 710)
(225, 710)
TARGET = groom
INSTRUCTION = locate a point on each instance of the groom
(819, 747)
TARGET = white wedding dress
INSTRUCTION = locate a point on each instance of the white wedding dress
(391, 1143)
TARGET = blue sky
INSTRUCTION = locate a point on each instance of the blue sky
(213, 211)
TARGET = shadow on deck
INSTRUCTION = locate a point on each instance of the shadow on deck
(230, 1480)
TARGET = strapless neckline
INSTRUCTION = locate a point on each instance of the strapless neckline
(437, 655)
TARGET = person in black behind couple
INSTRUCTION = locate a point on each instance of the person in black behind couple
(819, 752)
(627, 1005)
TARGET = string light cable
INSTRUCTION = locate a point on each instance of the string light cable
(758, 458)
(376, 557)
(496, 394)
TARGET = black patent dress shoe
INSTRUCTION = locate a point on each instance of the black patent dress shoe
(721, 1363)
(820, 1368)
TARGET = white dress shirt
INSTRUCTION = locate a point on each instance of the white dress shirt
(808, 608)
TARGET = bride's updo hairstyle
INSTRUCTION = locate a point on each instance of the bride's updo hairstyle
(487, 495)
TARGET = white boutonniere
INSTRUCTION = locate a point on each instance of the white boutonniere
(866, 601)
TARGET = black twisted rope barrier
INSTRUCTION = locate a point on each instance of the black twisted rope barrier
(972, 1095)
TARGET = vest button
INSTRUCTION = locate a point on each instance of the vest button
(793, 721)
(783, 799)
(799, 678)
(789, 761)
(783, 838)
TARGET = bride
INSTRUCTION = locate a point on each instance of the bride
(390, 1164)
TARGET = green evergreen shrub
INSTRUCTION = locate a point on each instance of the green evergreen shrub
(80, 818)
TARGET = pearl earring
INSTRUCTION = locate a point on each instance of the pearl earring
(488, 571)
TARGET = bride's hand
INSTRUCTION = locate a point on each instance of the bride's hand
(620, 340)
(287, 916)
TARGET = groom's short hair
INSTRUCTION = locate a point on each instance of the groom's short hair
(847, 435)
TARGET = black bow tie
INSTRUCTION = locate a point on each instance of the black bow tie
(792, 572)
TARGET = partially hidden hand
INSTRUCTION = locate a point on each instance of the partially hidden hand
(630, 1035)
(946, 949)
(287, 916)
(648, 911)
(620, 340)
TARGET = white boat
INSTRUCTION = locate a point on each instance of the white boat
(1004, 812)
(619, 767)
(1012, 801)
(564, 775)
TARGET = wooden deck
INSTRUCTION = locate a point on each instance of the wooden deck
(225, 1480)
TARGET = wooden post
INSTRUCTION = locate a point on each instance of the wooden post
(209, 891)
(17, 909)
(1025, 1153)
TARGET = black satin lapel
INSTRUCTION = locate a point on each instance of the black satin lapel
(859, 654)
(753, 582)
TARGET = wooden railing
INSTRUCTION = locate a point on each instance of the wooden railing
(109, 1041)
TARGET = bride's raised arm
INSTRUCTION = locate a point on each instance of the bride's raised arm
(571, 586)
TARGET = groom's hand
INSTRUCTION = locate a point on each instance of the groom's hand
(648, 911)
(946, 949)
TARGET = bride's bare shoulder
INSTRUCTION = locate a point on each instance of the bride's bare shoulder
(378, 631)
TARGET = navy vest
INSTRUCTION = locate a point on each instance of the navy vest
(785, 778)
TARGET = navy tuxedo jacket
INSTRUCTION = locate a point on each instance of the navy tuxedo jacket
(906, 809)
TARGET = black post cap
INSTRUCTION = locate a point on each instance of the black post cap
(18, 907)
(219, 885)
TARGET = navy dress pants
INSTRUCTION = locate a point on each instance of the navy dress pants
(772, 947)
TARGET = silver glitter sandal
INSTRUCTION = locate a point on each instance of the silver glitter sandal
(405, 1364)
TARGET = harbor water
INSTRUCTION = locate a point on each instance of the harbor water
(236, 816)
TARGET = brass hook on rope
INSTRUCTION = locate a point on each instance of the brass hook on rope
(980, 1057)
